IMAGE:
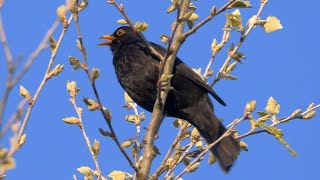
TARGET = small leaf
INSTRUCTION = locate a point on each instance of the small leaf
(117, 175)
(127, 98)
(25, 94)
(156, 150)
(262, 114)
(105, 133)
(91, 104)
(164, 38)
(22, 140)
(199, 144)
(57, 70)
(193, 17)
(107, 113)
(131, 118)
(251, 106)
(171, 8)
(53, 43)
(185, 135)
(122, 21)
(243, 146)
(95, 73)
(193, 167)
(72, 120)
(141, 26)
(272, 107)
(85, 170)
(176, 123)
(61, 12)
(231, 67)
(309, 115)
(75, 62)
(126, 144)
(212, 159)
(234, 19)
(240, 4)
(228, 76)
(195, 135)
(96, 147)
(271, 24)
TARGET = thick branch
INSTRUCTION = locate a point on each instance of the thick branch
(157, 114)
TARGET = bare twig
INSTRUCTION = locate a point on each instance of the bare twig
(207, 19)
(161, 168)
(298, 116)
(236, 48)
(93, 84)
(94, 156)
(14, 117)
(121, 10)
(35, 98)
(10, 67)
(227, 133)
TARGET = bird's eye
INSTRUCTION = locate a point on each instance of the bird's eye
(120, 32)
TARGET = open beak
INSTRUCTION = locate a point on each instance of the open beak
(110, 38)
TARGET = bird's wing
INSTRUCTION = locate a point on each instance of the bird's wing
(188, 73)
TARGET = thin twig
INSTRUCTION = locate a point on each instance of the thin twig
(121, 10)
(39, 90)
(10, 67)
(298, 116)
(93, 84)
(94, 157)
(225, 134)
(207, 19)
(236, 48)
(36, 52)
(14, 117)
(160, 170)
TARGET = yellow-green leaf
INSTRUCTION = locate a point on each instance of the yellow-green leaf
(234, 19)
(122, 21)
(272, 107)
(117, 175)
(272, 24)
(85, 170)
(240, 4)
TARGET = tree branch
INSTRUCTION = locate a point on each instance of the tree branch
(155, 121)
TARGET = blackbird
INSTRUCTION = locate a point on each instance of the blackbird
(137, 70)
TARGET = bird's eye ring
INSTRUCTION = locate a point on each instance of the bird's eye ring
(120, 32)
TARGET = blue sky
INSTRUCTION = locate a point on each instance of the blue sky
(283, 64)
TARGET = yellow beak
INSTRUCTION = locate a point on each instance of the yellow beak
(110, 38)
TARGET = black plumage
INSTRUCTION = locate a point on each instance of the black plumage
(137, 70)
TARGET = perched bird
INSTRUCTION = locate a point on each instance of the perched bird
(137, 70)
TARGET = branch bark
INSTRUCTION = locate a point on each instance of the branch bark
(157, 114)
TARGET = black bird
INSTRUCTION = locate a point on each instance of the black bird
(137, 70)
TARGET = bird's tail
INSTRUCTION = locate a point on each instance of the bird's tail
(227, 150)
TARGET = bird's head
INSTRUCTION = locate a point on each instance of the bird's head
(121, 36)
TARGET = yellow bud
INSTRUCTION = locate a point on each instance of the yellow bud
(251, 106)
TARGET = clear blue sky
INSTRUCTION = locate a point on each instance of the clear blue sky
(284, 64)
